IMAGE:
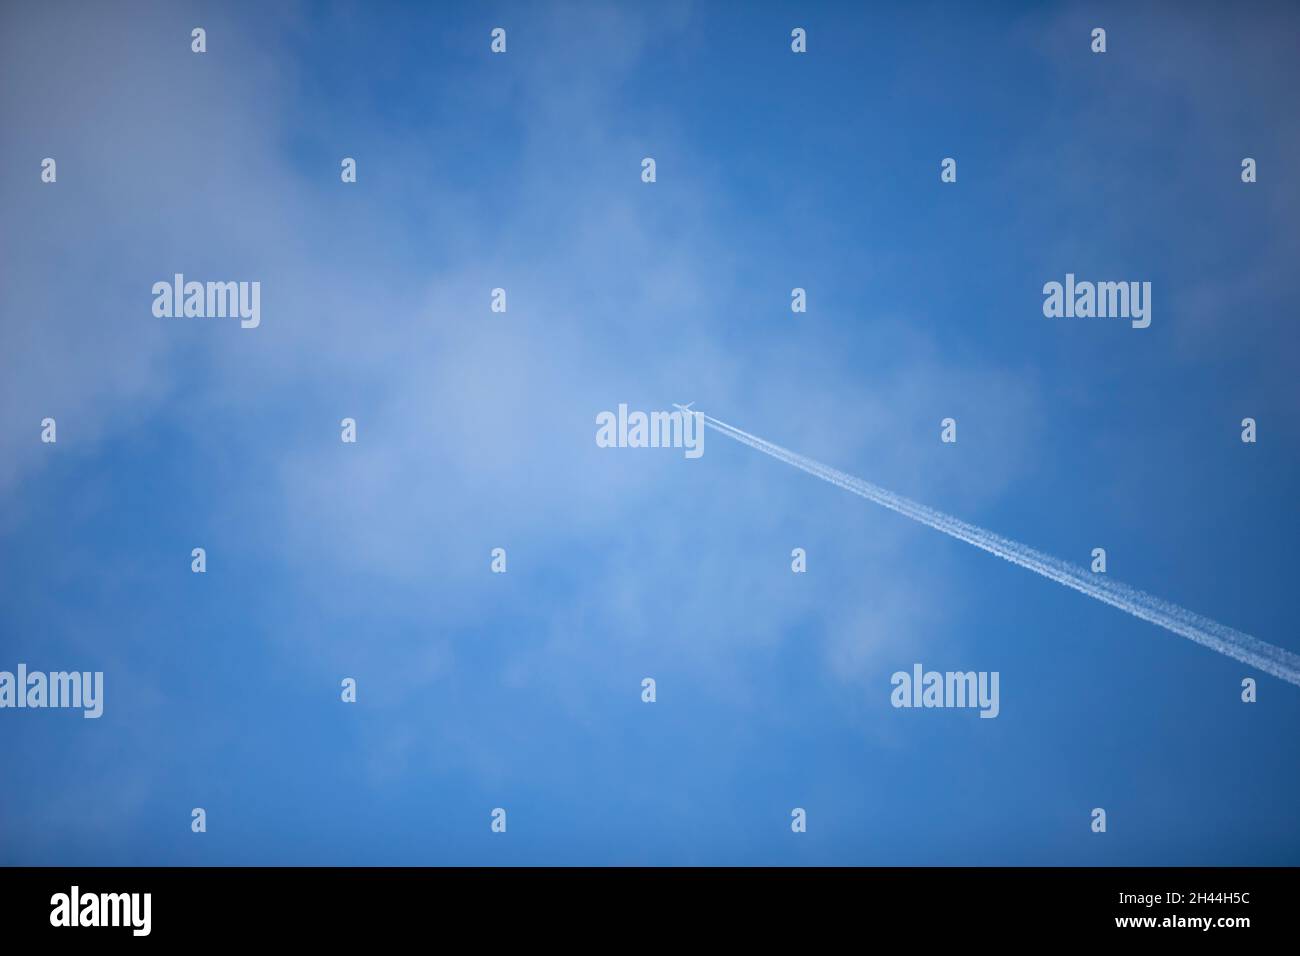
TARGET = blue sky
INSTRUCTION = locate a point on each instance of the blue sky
(476, 430)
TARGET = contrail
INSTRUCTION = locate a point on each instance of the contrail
(1242, 647)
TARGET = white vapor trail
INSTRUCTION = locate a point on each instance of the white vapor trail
(1242, 647)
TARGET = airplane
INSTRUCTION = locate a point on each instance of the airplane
(683, 408)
